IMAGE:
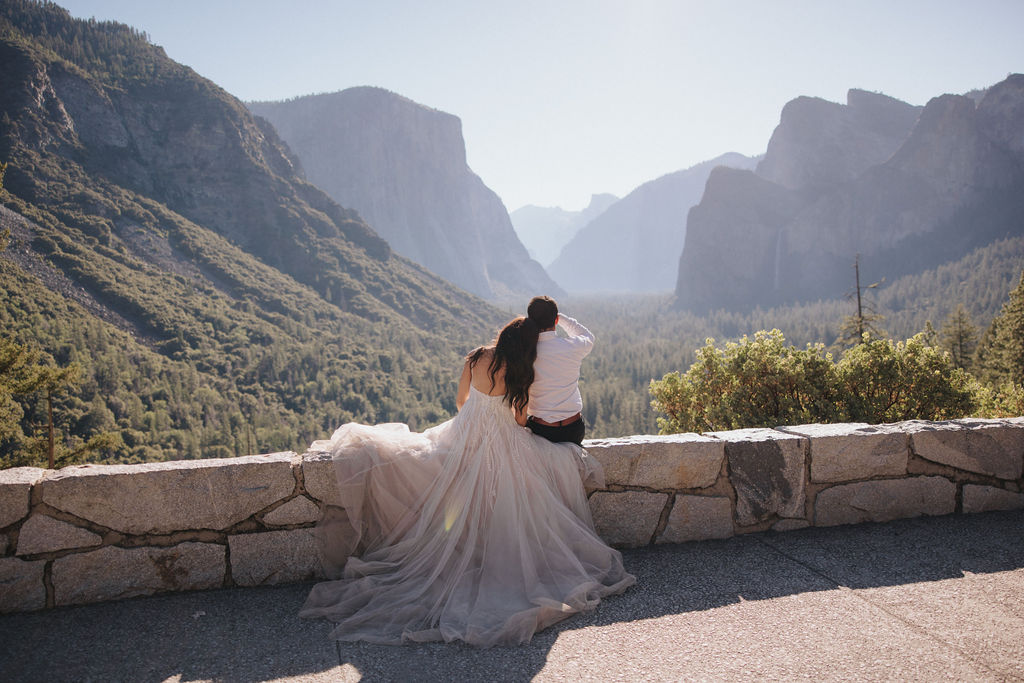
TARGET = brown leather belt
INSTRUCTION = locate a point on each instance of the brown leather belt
(558, 423)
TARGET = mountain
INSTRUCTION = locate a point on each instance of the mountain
(634, 245)
(819, 143)
(162, 237)
(545, 230)
(402, 166)
(907, 188)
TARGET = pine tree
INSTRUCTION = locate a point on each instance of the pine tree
(959, 336)
(1010, 334)
(1000, 357)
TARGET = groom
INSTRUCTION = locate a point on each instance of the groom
(555, 401)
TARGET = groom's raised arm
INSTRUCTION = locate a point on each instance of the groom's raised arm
(578, 334)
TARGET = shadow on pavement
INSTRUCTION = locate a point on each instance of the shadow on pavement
(254, 634)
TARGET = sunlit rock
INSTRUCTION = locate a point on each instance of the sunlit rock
(156, 498)
(675, 461)
(44, 534)
(992, 447)
(884, 500)
(627, 518)
(848, 452)
(274, 557)
(15, 488)
(115, 573)
(697, 518)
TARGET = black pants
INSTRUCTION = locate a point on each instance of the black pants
(570, 433)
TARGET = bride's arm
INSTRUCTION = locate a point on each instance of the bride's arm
(521, 417)
(463, 393)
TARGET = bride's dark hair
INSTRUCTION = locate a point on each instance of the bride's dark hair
(515, 349)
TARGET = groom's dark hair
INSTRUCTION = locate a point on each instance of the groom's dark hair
(543, 310)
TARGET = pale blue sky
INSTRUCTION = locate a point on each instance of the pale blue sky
(562, 99)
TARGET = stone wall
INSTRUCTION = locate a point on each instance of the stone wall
(105, 532)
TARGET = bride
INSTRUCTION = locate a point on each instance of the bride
(474, 530)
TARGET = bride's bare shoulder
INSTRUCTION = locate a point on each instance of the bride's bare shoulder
(480, 352)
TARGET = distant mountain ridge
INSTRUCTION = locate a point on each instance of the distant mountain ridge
(908, 188)
(634, 245)
(545, 230)
(402, 167)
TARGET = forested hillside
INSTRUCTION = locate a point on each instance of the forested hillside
(637, 340)
(161, 239)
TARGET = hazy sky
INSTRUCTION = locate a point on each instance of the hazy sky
(560, 99)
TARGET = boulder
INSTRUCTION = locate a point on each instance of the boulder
(848, 452)
(985, 498)
(992, 447)
(44, 534)
(675, 461)
(697, 518)
(15, 488)
(627, 518)
(158, 498)
(113, 573)
(766, 468)
(319, 477)
(883, 500)
(274, 557)
(298, 510)
(21, 585)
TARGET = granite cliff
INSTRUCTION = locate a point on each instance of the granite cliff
(907, 188)
(402, 166)
(634, 245)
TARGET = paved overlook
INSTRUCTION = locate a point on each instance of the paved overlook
(931, 598)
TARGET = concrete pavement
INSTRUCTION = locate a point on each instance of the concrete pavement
(923, 599)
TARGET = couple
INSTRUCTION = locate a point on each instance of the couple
(477, 529)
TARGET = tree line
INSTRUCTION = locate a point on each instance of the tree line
(763, 382)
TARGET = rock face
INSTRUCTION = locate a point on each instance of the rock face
(545, 230)
(821, 143)
(906, 187)
(158, 497)
(402, 167)
(627, 519)
(884, 500)
(634, 245)
(144, 165)
(766, 468)
(112, 573)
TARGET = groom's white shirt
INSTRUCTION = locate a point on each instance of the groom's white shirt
(555, 392)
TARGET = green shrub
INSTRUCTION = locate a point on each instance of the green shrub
(762, 382)
(757, 382)
(887, 381)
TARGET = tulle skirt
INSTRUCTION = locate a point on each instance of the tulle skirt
(475, 530)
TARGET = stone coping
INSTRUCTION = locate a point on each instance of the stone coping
(104, 532)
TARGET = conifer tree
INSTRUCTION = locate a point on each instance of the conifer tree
(959, 336)
(1011, 334)
(1000, 357)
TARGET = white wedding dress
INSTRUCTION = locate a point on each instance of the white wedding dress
(474, 530)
